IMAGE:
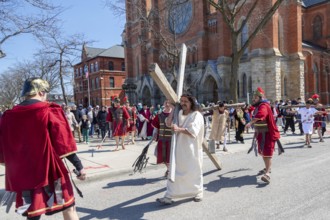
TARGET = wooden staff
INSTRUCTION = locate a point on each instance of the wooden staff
(236, 105)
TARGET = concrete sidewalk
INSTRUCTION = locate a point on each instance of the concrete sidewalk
(106, 162)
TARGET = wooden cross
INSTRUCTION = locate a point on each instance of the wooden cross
(160, 79)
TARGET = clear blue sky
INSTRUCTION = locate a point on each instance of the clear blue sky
(89, 17)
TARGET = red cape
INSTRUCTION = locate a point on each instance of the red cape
(33, 139)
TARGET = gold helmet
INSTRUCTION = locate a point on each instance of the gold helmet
(34, 85)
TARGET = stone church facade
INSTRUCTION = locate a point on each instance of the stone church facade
(289, 58)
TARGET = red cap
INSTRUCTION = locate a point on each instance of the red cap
(315, 96)
(259, 92)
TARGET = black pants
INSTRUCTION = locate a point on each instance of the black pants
(289, 122)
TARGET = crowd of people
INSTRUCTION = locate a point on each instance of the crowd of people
(179, 130)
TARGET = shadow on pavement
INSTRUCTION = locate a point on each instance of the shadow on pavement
(133, 182)
(125, 210)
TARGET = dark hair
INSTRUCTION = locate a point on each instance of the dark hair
(192, 100)
(220, 104)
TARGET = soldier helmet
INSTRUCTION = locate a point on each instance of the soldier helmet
(34, 85)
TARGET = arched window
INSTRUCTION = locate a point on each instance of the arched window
(111, 67)
(285, 87)
(244, 37)
(97, 82)
(317, 27)
(112, 82)
(244, 85)
(238, 88)
(92, 68)
(250, 85)
(96, 66)
(316, 77)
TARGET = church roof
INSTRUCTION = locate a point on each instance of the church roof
(116, 51)
(309, 3)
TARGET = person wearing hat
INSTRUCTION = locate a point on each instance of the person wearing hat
(119, 119)
(35, 171)
(266, 132)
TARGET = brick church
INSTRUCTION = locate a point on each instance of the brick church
(289, 58)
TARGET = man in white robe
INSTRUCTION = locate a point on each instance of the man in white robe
(188, 153)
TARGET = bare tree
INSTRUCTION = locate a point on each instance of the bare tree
(15, 21)
(64, 51)
(231, 10)
(11, 81)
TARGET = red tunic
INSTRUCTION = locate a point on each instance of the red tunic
(118, 116)
(164, 136)
(132, 120)
(33, 139)
(264, 112)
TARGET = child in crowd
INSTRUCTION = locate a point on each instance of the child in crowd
(85, 125)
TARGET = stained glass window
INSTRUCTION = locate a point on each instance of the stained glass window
(179, 16)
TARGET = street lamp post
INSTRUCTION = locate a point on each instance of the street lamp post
(129, 88)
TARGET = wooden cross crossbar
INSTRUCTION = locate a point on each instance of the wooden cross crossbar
(235, 105)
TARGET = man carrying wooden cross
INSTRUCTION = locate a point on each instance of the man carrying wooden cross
(188, 154)
(185, 177)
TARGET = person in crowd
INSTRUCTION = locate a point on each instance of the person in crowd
(145, 129)
(220, 120)
(186, 180)
(266, 131)
(78, 115)
(92, 118)
(240, 122)
(132, 121)
(164, 135)
(85, 125)
(102, 121)
(119, 118)
(35, 171)
(307, 118)
(289, 114)
(319, 117)
(71, 119)
(96, 124)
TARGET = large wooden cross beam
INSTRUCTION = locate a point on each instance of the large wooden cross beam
(160, 79)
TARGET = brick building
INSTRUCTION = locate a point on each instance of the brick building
(290, 58)
(106, 75)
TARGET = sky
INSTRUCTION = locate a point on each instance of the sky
(89, 17)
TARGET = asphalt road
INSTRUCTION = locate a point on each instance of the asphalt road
(299, 189)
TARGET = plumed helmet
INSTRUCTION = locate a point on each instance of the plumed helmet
(315, 96)
(259, 92)
(34, 85)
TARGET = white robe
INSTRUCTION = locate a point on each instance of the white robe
(307, 119)
(188, 158)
